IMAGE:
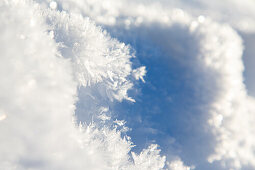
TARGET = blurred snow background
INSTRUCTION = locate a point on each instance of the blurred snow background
(117, 84)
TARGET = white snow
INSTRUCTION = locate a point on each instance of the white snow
(57, 63)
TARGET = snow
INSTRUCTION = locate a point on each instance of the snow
(130, 84)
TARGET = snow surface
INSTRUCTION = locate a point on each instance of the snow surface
(127, 84)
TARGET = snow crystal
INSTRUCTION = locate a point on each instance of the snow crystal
(53, 5)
